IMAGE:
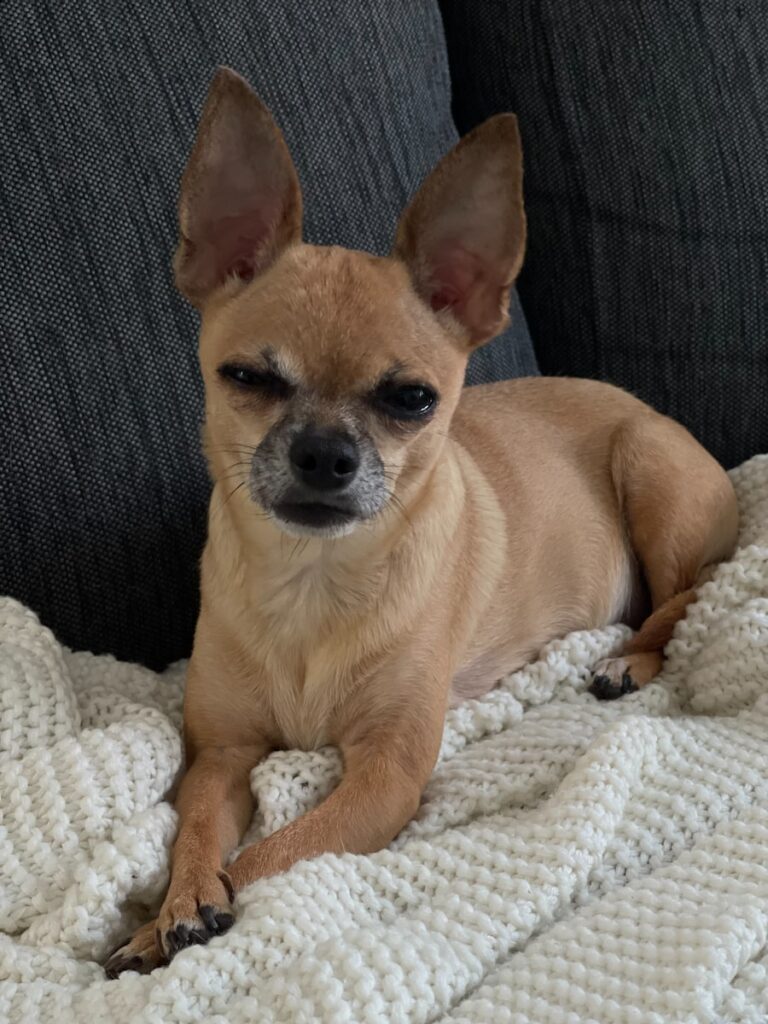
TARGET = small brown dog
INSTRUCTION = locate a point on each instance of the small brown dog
(382, 542)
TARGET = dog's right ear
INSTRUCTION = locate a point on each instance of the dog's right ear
(240, 201)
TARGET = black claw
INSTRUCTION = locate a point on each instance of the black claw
(216, 921)
(604, 688)
(115, 966)
(177, 938)
(112, 970)
(182, 936)
(113, 953)
(208, 914)
(225, 922)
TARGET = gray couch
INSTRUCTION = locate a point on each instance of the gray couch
(646, 184)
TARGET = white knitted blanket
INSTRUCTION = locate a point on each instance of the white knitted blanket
(572, 860)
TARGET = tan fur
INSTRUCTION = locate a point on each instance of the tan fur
(524, 510)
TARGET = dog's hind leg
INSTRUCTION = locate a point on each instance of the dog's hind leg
(681, 516)
(640, 662)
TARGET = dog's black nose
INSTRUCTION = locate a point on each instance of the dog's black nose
(324, 460)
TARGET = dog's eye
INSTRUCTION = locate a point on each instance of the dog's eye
(266, 381)
(406, 401)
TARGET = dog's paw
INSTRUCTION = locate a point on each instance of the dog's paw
(142, 954)
(604, 687)
(194, 912)
(614, 677)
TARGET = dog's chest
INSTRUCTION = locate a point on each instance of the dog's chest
(304, 682)
(309, 644)
(301, 706)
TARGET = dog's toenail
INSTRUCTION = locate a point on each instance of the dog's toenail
(628, 684)
(217, 922)
(224, 922)
(113, 969)
(208, 914)
(604, 688)
(176, 939)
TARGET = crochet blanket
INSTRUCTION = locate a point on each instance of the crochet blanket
(572, 860)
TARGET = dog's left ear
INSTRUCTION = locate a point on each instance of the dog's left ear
(463, 235)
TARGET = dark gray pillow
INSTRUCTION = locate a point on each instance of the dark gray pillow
(102, 489)
(645, 126)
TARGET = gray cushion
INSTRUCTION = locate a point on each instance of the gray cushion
(102, 488)
(645, 125)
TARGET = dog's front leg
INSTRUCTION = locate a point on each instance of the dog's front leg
(214, 805)
(384, 776)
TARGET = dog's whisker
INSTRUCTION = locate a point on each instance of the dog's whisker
(234, 475)
(229, 448)
(243, 452)
(238, 455)
(230, 444)
(232, 493)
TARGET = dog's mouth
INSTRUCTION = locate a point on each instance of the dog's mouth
(314, 516)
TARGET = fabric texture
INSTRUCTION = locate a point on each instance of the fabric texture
(571, 861)
(103, 491)
(645, 128)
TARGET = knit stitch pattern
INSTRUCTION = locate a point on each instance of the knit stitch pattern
(572, 860)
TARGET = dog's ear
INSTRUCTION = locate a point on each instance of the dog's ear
(463, 234)
(240, 201)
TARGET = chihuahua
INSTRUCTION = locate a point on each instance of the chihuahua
(383, 542)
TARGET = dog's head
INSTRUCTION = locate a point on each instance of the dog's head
(331, 375)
